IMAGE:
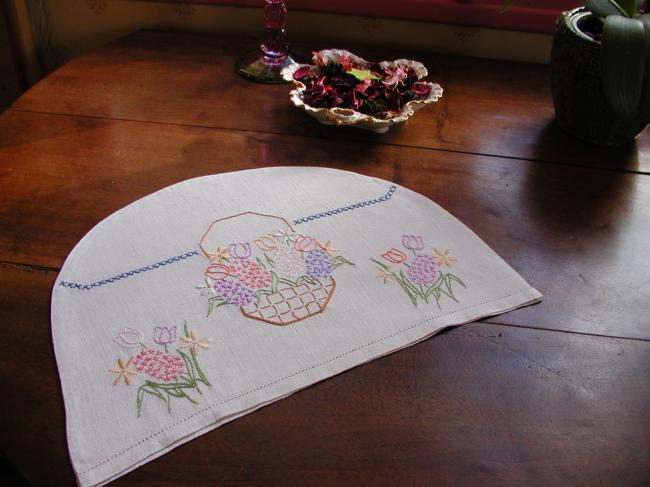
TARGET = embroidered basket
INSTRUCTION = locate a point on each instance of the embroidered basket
(292, 303)
(275, 275)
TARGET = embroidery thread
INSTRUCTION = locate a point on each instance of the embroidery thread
(420, 277)
(283, 278)
(168, 375)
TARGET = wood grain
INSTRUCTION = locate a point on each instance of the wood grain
(478, 405)
(489, 107)
(569, 231)
(483, 404)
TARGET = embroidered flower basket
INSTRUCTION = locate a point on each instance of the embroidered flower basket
(275, 275)
(292, 303)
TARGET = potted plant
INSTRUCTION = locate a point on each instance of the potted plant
(600, 70)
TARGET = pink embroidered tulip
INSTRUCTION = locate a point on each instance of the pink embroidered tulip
(164, 335)
(395, 256)
(240, 250)
(412, 242)
(216, 272)
(304, 243)
(129, 338)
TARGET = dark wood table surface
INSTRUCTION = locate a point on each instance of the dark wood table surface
(550, 395)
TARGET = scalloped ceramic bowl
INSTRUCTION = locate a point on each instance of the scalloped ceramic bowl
(347, 116)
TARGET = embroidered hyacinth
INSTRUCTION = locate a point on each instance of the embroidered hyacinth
(288, 262)
(251, 274)
(234, 292)
(276, 276)
(159, 365)
(318, 263)
(422, 270)
(421, 276)
(169, 374)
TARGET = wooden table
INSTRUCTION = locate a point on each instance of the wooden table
(553, 394)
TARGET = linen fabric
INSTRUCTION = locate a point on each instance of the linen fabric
(215, 296)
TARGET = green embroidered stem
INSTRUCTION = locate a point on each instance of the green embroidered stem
(180, 387)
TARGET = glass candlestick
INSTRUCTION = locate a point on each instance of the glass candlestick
(264, 65)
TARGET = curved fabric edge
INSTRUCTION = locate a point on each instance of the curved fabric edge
(405, 337)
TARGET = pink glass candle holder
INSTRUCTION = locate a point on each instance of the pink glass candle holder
(264, 65)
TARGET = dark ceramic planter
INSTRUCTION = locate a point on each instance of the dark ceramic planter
(580, 105)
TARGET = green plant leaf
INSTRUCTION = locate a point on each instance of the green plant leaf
(623, 64)
(362, 75)
(604, 8)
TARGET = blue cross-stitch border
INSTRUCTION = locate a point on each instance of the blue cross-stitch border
(193, 253)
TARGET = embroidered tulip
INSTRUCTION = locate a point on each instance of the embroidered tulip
(216, 272)
(129, 338)
(240, 250)
(304, 243)
(267, 243)
(164, 335)
(395, 256)
(412, 242)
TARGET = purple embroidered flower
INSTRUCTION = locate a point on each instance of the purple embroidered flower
(234, 292)
(240, 250)
(422, 270)
(318, 263)
(412, 242)
(164, 335)
(159, 365)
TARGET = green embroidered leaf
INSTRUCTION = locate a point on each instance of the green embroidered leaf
(288, 282)
(202, 377)
(189, 366)
(408, 283)
(274, 281)
(436, 295)
(269, 260)
(407, 290)
(362, 75)
(454, 278)
(146, 389)
(261, 264)
(339, 260)
(305, 279)
(214, 303)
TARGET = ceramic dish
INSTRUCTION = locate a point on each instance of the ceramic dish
(348, 116)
